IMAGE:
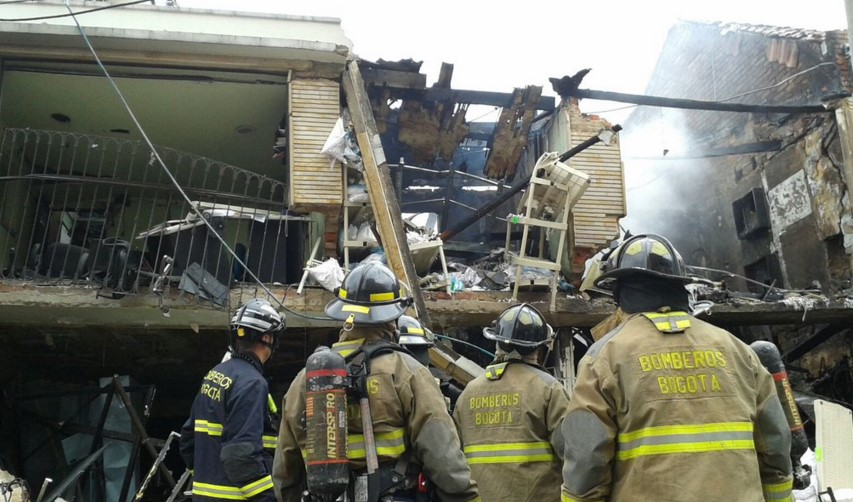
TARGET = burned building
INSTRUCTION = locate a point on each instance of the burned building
(116, 247)
(759, 196)
(762, 194)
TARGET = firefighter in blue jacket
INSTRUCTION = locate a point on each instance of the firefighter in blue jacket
(229, 440)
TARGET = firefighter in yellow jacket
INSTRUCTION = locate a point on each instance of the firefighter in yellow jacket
(509, 418)
(668, 407)
(413, 433)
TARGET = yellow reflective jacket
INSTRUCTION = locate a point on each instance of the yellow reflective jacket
(668, 407)
(409, 417)
(509, 423)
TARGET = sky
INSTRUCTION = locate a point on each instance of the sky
(496, 46)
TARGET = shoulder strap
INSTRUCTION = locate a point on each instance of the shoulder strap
(358, 361)
(669, 322)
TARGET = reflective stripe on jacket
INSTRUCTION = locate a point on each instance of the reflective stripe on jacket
(229, 439)
(668, 407)
(509, 423)
(409, 417)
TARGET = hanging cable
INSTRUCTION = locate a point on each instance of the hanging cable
(752, 281)
(73, 14)
(166, 170)
(463, 342)
(777, 84)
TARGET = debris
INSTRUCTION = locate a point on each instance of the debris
(328, 274)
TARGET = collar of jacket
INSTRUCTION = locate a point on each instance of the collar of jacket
(514, 356)
(250, 358)
(610, 323)
(385, 331)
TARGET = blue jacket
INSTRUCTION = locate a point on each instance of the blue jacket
(229, 440)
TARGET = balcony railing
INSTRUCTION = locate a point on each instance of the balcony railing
(100, 212)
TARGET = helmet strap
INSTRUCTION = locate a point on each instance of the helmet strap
(273, 345)
(349, 324)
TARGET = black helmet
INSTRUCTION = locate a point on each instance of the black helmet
(643, 255)
(413, 334)
(370, 294)
(259, 317)
(520, 325)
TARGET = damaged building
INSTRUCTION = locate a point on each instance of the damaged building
(763, 194)
(116, 289)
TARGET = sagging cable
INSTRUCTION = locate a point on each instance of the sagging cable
(174, 181)
(463, 342)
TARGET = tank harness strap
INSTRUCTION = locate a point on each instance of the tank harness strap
(496, 371)
(669, 322)
(358, 367)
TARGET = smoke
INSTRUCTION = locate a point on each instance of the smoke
(667, 190)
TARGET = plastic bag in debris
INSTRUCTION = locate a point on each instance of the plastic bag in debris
(416, 237)
(336, 143)
(365, 234)
(358, 193)
(328, 274)
(464, 280)
(342, 146)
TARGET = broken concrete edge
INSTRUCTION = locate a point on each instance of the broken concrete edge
(75, 306)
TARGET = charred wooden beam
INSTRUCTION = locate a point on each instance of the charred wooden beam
(511, 131)
(391, 78)
(693, 104)
(813, 342)
(499, 99)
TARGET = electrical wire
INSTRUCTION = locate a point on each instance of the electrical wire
(6, 2)
(463, 342)
(611, 110)
(166, 170)
(485, 114)
(74, 14)
(747, 279)
(777, 84)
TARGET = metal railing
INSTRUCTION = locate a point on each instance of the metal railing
(94, 211)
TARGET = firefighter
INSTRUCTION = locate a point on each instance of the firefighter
(669, 407)
(509, 418)
(418, 340)
(229, 437)
(412, 432)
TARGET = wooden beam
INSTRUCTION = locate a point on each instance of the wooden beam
(381, 189)
(499, 99)
(693, 104)
(444, 76)
(391, 78)
(511, 131)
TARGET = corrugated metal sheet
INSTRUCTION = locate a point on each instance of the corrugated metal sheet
(314, 108)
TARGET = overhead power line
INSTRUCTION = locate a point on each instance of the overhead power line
(71, 13)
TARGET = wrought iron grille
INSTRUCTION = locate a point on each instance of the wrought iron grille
(79, 209)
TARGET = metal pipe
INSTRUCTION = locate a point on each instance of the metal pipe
(140, 429)
(44, 485)
(502, 198)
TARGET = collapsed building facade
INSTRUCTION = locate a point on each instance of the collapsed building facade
(240, 114)
(764, 195)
